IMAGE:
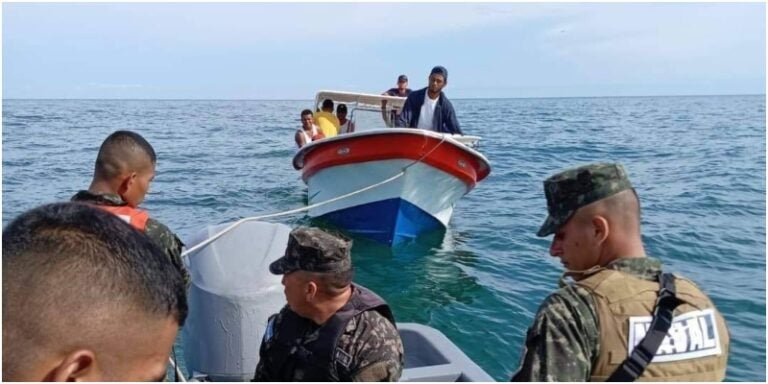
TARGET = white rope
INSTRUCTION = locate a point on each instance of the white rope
(320, 204)
(286, 213)
(178, 371)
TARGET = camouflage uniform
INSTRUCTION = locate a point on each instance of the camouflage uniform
(563, 343)
(158, 232)
(564, 339)
(368, 346)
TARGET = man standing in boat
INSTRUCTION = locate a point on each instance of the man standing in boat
(331, 329)
(429, 108)
(619, 299)
(402, 90)
(125, 166)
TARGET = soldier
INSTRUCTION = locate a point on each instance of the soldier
(331, 329)
(86, 298)
(620, 300)
(125, 166)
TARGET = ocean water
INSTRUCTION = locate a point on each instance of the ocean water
(698, 164)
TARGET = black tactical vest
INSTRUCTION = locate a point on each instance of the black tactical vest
(319, 359)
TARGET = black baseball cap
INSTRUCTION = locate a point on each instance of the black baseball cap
(314, 250)
(402, 79)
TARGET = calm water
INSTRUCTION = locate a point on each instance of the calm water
(698, 164)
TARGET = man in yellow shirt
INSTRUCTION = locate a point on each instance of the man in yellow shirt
(326, 120)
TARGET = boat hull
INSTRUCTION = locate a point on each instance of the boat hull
(420, 200)
(418, 177)
(397, 220)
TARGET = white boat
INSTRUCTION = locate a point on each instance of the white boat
(233, 293)
(419, 174)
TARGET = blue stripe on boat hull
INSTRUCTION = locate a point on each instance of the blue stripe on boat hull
(388, 221)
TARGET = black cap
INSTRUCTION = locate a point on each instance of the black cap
(402, 79)
(440, 70)
(314, 250)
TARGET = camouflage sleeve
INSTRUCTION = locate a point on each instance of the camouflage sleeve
(562, 341)
(169, 243)
(375, 348)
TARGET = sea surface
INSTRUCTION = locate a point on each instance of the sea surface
(698, 164)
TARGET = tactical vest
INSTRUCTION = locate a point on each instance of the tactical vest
(133, 216)
(320, 360)
(697, 344)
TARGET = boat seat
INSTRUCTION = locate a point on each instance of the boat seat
(430, 356)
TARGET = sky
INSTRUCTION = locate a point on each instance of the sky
(289, 51)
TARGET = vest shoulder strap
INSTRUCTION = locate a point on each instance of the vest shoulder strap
(635, 364)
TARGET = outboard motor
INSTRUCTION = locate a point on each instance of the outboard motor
(230, 299)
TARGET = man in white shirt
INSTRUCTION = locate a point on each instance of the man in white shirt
(429, 108)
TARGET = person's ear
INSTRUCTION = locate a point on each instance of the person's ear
(311, 290)
(79, 365)
(126, 181)
(601, 229)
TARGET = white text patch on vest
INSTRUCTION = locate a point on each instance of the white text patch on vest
(692, 335)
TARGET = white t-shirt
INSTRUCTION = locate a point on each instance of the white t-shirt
(427, 112)
(308, 138)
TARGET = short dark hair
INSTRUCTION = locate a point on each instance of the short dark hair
(120, 151)
(83, 259)
(440, 70)
(328, 104)
(341, 108)
(333, 283)
(306, 112)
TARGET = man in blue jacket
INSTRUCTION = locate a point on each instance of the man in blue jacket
(428, 108)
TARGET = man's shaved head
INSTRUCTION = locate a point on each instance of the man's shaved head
(622, 209)
(123, 151)
(78, 278)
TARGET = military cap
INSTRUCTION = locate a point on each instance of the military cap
(314, 250)
(574, 188)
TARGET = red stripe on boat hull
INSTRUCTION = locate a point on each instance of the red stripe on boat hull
(445, 156)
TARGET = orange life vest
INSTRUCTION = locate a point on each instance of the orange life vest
(133, 216)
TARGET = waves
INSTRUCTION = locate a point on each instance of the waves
(698, 164)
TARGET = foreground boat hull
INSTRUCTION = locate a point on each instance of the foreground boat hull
(232, 295)
(417, 178)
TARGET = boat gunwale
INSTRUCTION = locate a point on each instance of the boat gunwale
(478, 163)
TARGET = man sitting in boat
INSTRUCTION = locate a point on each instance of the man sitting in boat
(326, 120)
(331, 329)
(429, 108)
(347, 126)
(86, 298)
(309, 132)
(125, 166)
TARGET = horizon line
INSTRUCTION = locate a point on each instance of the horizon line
(461, 98)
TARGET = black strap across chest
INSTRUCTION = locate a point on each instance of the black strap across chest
(663, 312)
